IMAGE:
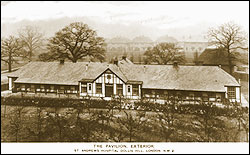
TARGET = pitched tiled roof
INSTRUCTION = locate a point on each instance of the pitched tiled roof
(67, 73)
(196, 78)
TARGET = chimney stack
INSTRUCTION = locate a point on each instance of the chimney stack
(61, 61)
(220, 66)
(124, 57)
(144, 68)
(239, 81)
(87, 65)
(175, 64)
(116, 61)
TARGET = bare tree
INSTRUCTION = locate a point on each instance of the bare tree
(229, 36)
(10, 50)
(77, 41)
(166, 120)
(132, 123)
(16, 122)
(164, 53)
(32, 40)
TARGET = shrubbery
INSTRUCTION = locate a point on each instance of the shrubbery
(196, 109)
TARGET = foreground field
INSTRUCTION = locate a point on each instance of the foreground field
(48, 124)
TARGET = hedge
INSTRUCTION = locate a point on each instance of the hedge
(197, 109)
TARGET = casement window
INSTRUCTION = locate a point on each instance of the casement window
(89, 87)
(73, 89)
(191, 96)
(84, 88)
(109, 77)
(146, 93)
(197, 96)
(218, 97)
(22, 87)
(42, 88)
(32, 88)
(119, 89)
(67, 89)
(61, 89)
(179, 96)
(212, 96)
(129, 89)
(231, 92)
(98, 88)
(205, 96)
(47, 88)
(52, 88)
(28, 87)
(165, 94)
(135, 90)
(18, 87)
(38, 88)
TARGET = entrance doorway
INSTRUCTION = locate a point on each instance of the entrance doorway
(109, 89)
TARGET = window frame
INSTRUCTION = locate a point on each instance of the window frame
(98, 88)
(84, 87)
(119, 88)
(229, 92)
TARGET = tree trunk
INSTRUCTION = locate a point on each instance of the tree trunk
(230, 62)
(9, 62)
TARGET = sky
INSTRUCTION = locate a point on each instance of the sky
(151, 19)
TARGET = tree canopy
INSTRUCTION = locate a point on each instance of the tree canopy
(31, 39)
(164, 53)
(75, 42)
(228, 36)
(10, 50)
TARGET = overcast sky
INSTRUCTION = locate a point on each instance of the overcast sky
(160, 15)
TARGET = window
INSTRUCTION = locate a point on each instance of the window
(42, 88)
(90, 86)
(84, 88)
(99, 88)
(231, 92)
(212, 96)
(28, 87)
(129, 89)
(73, 89)
(52, 88)
(17, 87)
(205, 96)
(108, 76)
(197, 96)
(191, 96)
(38, 88)
(61, 89)
(32, 88)
(23, 87)
(119, 89)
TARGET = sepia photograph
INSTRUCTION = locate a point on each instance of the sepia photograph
(124, 77)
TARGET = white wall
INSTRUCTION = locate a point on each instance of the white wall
(10, 83)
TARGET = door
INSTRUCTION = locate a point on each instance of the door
(109, 90)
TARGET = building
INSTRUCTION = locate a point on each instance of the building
(103, 80)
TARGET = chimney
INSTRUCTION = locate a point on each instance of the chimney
(124, 57)
(175, 64)
(87, 65)
(220, 66)
(239, 81)
(116, 61)
(61, 61)
(144, 68)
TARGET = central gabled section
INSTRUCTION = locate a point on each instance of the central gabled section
(107, 84)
